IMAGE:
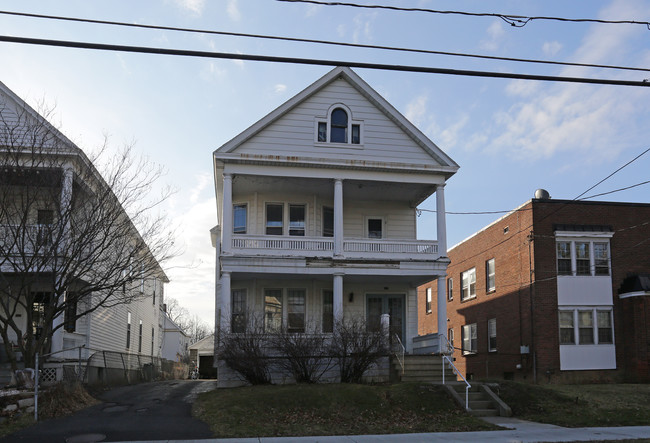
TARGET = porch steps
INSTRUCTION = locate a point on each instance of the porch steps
(482, 401)
(422, 368)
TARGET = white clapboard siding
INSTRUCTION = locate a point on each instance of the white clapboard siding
(293, 133)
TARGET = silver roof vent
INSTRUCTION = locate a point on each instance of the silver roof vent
(542, 194)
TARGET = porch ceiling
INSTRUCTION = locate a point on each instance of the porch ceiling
(352, 189)
(386, 280)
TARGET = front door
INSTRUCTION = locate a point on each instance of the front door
(391, 304)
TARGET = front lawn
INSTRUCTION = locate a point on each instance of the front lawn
(332, 409)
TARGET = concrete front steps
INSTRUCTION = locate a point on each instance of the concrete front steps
(483, 402)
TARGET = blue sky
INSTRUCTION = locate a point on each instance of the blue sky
(510, 137)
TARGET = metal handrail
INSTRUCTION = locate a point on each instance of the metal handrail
(454, 368)
(399, 353)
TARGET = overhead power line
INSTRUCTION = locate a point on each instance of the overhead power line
(517, 21)
(320, 62)
(316, 41)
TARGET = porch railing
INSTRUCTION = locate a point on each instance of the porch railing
(324, 247)
(399, 351)
(444, 344)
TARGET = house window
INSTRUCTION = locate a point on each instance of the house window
(490, 275)
(274, 218)
(567, 336)
(328, 311)
(585, 327)
(564, 258)
(428, 303)
(582, 258)
(592, 324)
(297, 220)
(155, 287)
(589, 258)
(70, 313)
(128, 330)
(605, 335)
(140, 338)
(328, 221)
(322, 131)
(468, 279)
(40, 300)
(44, 219)
(601, 258)
(239, 216)
(238, 311)
(273, 309)
(339, 126)
(450, 289)
(296, 310)
(152, 340)
(450, 338)
(375, 227)
(492, 335)
(469, 339)
(342, 129)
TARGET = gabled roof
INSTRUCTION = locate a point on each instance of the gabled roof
(365, 90)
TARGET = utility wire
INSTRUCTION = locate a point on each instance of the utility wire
(517, 21)
(610, 175)
(316, 41)
(616, 190)
(320, 62)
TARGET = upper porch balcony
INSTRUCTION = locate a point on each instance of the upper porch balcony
(324, 247)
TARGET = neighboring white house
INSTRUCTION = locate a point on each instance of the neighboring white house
(202, 356)
(175, 341)
(317, 207)
(67, 179)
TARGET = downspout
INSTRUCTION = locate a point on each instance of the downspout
(531, 237)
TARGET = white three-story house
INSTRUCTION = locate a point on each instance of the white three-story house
(317, 207)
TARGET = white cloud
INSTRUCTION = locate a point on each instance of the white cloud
(233, 10)
(495, 33)
(195, 6)
(280, 88)
(551, 48)
(416, 110)
(363, 27)
(590, 121)
(202, 181)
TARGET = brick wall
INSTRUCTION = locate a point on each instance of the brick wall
(516, 304)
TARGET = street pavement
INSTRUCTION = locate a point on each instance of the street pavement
(146, 411)
(161, 411)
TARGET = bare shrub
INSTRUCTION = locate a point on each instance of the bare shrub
(305, 356)
(247, 352)
(355, 348)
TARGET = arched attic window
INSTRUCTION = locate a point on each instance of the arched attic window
(339, 128)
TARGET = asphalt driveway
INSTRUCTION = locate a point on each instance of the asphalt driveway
(147, 411)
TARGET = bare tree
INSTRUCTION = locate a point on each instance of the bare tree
(77, 233)
(192, 325)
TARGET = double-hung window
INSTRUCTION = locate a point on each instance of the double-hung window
(272, 310)
(428, 302)
(591, 326)
(601, 258)
(450, 289)
(564, 258)
(605, 335)
(342, 129)
(328, 221)
(490, 275)
(274, 218)
(238, 311)
(297, 220)
(470, 339)
(585, 327)
(468, 289)
(239, 215)
(295, 310)
(582, 258)
(567, 335)
(328, 311)
(492, 335)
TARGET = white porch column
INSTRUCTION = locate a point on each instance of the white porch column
(226, 220)
(442, 252)
(337, 298)
(57, 336)
(225, 301)
(338, 217)
(441, 220)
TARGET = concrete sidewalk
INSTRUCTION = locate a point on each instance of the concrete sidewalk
(518, 431)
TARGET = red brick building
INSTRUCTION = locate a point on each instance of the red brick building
(556, 290)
